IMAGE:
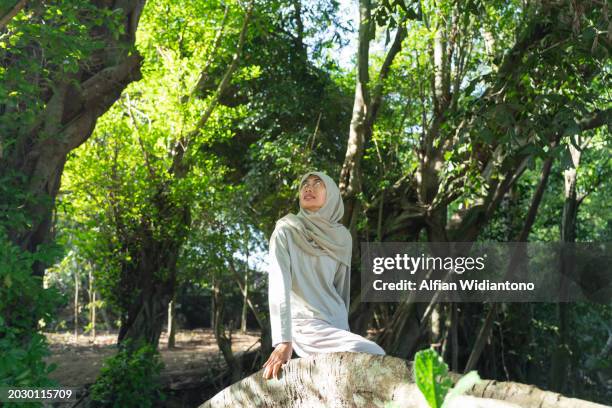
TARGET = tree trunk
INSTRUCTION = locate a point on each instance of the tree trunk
(560, 356)
(148, 316)
(93, 317)
(171, 324)
(365, 110)
(365, 380)
(149, 283)
(107, 323)
(245, 302)
(454, 337)
(350, 177)
(213, 313)
(259, 316)
(92, 305)
(76, 304)
(402, 333)
(143, 322)
(437, 321)
(224, 341)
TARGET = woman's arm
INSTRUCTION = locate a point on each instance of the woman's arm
(279, 288)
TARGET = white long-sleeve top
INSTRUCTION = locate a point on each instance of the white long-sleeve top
(303, 286)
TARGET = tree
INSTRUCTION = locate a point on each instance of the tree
(65, 64)
(149, 221)
(474, 134)
(572, 200)
(364, 380)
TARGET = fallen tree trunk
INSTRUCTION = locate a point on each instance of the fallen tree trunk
(366, 380)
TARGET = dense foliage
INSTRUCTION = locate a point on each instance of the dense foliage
(24, 304)
(129, 379)
(178, 130)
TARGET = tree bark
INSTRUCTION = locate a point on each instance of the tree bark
(171, 324)
(364, 380)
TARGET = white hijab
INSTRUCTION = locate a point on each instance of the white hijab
(320, 232)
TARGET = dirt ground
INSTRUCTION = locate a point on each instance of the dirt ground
(79, 362)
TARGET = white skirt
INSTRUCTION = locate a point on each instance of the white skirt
(313, 336)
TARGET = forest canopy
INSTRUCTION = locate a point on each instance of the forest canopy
(147, 149)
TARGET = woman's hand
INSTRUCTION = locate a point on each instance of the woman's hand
(280, 355)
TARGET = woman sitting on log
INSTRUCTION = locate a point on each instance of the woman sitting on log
(309, 278)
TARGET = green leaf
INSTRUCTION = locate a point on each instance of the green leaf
(23, 375)
(431, 376)
(463, 385)
(571, 130)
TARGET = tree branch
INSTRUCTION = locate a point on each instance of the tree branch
(596, 119)
(178, 165)
(258, 316)
(396, 47)
(4, 20)
(108, 79)
(212, 54)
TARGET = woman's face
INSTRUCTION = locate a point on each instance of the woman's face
(312, 193)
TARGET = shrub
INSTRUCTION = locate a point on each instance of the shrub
(129, 379)
(23, 303)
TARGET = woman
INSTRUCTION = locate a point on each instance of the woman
(309, 278)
